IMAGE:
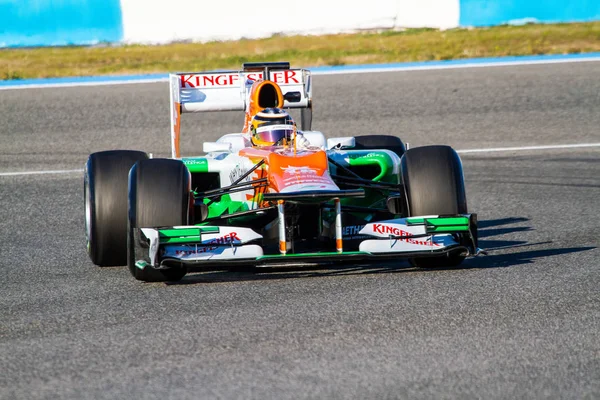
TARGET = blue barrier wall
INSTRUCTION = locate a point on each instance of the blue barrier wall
(496, 12)
(59, 22)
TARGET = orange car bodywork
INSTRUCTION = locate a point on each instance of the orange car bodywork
(254, 100)
(284, 167)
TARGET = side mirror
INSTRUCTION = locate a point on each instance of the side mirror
(341, 142)
(292, 97)
(214, 147)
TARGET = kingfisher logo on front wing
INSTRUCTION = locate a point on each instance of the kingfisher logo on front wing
(395, 231)
(231, 237)
(389, 229)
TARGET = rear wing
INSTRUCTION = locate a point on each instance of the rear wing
(229, 91)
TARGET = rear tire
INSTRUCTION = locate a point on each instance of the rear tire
(434, 185)
(378, 142)
(159, 196)
(105, 192)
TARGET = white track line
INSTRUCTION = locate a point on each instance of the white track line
(467, 151)
(425, 67)
(51, 172)
(527, 148)
(78, 84)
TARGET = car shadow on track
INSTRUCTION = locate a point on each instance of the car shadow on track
(267, 273)
(519, 258)
(501, 251)
(487, 229)
(491, 228)
(272, 273)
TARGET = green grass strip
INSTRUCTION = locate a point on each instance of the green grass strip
(303, 51)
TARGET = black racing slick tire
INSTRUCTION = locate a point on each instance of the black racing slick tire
(159, 196)
(376, 142)
(434, 185)
(105, 193)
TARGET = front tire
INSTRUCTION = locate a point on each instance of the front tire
(159, 196)
(434, 185)
(105, 192)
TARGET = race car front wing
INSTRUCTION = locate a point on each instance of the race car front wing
(225, 246)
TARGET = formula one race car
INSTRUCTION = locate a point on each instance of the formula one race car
(273, 194)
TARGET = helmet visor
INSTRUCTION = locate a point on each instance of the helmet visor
(274, 134)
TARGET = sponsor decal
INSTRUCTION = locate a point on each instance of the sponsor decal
(394, 230)
(304, 175)
(352, 230)
(363, 155)
(299, 170)
(236, 172)
(229, 238)
(285, 77)
(200, 161)
(208, 80)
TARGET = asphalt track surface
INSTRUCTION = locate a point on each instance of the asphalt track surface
(522, 322)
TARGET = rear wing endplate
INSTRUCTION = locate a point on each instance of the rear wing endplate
(229, 91)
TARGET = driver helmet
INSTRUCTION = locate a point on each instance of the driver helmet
(272, 127)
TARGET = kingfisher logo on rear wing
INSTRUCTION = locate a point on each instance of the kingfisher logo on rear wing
(229, 91)
(228, 79)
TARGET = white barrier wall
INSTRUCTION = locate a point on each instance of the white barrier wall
(201, 20)
(443, 14)
(83, 22)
